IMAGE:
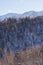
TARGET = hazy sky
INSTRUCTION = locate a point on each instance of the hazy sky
(20, 6)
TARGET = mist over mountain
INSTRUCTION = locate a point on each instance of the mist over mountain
(30, 14)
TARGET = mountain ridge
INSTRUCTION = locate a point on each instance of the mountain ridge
(30, 14)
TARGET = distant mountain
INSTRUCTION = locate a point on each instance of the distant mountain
(9, 15)
(30, 14)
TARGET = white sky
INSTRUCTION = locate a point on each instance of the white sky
(20, 6)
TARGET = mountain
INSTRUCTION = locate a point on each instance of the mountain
(9, 15)
(30, 14)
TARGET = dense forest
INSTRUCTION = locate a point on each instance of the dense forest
(18, 35)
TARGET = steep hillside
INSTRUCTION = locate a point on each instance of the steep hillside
(17, 36)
